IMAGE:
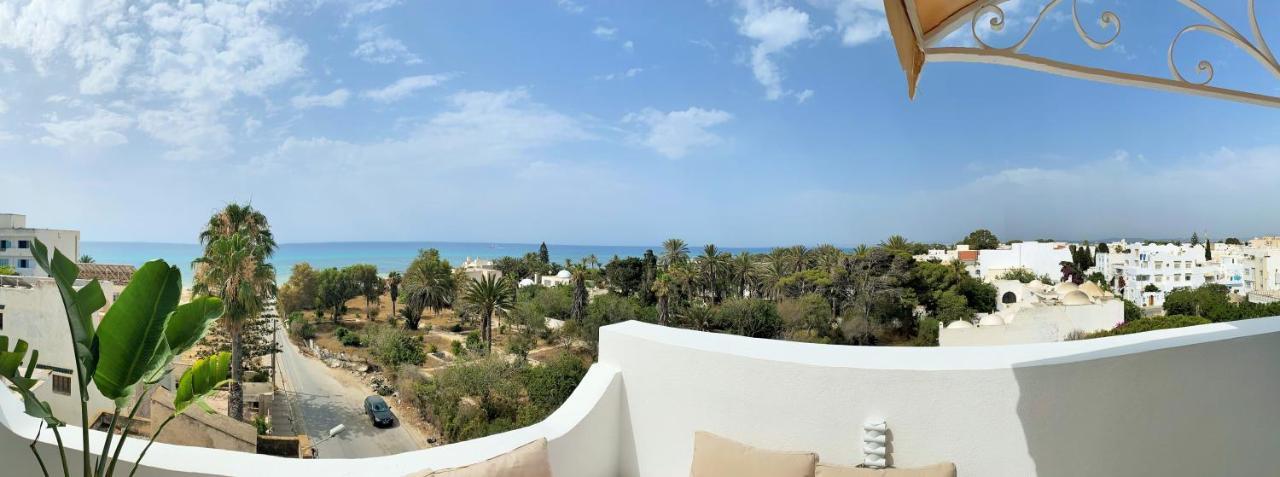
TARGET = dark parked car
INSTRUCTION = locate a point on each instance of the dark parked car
(379, 412)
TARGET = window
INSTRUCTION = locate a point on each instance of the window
(1, 317)
(24, 263)
(4, 244)
(4, 262)
(23, 244)
(62, 384)
(1188, 277)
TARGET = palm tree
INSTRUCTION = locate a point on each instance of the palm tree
(896, 244)
(427, 284)
(239, 269)
(240, 218)
(743, 270)
(712, 264)
(798, 258)
(393, 287)
(674, 252)
(489, 295)
(591, 261)
(861, 250)
(233, 268)
(578, 309)
(662, 288)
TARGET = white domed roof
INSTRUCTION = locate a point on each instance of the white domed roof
(1075, 297)
(1091, 289)
(991, 320)
(526, 282)
(563, 274)
(1065, 287)
(959, 324)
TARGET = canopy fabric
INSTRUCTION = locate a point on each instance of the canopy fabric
(913, 23)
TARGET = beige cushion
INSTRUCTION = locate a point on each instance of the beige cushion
(945, 469)
(715, 456)
(529, 460)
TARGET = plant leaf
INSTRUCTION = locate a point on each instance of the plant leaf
(9, 364)
(130, 336)
(10, 360)
(189, 322)
(201, 379)
(79, 307)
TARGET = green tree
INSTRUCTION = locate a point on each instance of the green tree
(1232, 241)
(578, 306)
(237, 244)
(897, 244)
(86, 259)
(394, 279)
(6, 270)
(1195, 239)
(625, 276)
(662, 289)
(1024, 275)
(712, 264)
(299, 292)
(981, 239)
(742, 269)
(543, 254)
(333, 288)
(1208, 249)
(674, 252)
(489, 295)
(429, 282)
(751, 317)
(368, 283)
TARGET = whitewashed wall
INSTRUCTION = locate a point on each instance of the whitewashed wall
(1188, 402)
(1039, 324)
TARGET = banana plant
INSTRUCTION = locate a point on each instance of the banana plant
(10, 363)
(134, 346)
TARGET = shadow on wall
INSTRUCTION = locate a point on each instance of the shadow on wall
(1192, 409)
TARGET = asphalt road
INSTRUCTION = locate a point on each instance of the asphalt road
(322, 403)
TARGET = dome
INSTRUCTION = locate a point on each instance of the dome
(991, 320)
(959, 324)
(526, 282)
(1065, 287)
(1075, 297)
(1091, 289)
(563, 274)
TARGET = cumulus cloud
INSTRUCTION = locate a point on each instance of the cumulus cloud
(673, 134)
(630, 73)
(774, 28)
(376, 46)
(858, 21)
(570, 6)
(99, 128)
(478, 127)
(604, 32)
(404, 87)
(184, 62)
(335, 99)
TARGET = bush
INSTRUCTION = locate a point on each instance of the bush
(434, 349)
(303, 329)
(456, 328)
(473, 341)
(1132, 312)
(549, 385)
(748, 317)
(1151, 324)
(392, 346)
(456, 348)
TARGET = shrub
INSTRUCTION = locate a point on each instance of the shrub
(392, 346)
(456, 328)
(473, 341)
(303, 329)
(351, 340)
(748, 317)
(1151, 324)
(1132, 312)
(456, 348)
(550, 385)
(434, 349)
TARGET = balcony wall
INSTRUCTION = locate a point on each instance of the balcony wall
(1187, 402)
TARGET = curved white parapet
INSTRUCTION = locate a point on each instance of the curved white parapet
(1185, 402)
(573, 432)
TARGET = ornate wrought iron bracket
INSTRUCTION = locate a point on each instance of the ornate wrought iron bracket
(1256, 47)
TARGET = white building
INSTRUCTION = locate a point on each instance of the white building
(1042, 258)
(477, 268)
(563, 277)
(1037, 313)
(16, 239)
(1144, 273)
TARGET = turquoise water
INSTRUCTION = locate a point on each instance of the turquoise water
(387, 256)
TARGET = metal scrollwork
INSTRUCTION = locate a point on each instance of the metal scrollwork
(1107, 19)
(1257, 48)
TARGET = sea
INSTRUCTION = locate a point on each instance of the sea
(387, 256)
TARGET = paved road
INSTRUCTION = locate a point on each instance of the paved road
(322, 403)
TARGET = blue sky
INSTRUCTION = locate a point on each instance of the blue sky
(744, 123)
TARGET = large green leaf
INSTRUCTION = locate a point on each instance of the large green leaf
(10, 360)
(78, 305)
(9, 364)
(201, 379)
(190, 321)
(132, 334)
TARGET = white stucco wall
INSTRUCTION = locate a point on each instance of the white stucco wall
(1040, 258)
(1188, 402)
(1039, 324)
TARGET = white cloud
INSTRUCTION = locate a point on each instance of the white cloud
(378, 47)
(775, 28)
(570, 6)
(858, 21)
(335, 99)
(803, 96)
(404, 87)
(479, 127)
(630, 73)
(101, 128)
(604, 32)
(629, 45)
(673, 134)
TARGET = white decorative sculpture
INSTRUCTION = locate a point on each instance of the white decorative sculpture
(874, 450)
